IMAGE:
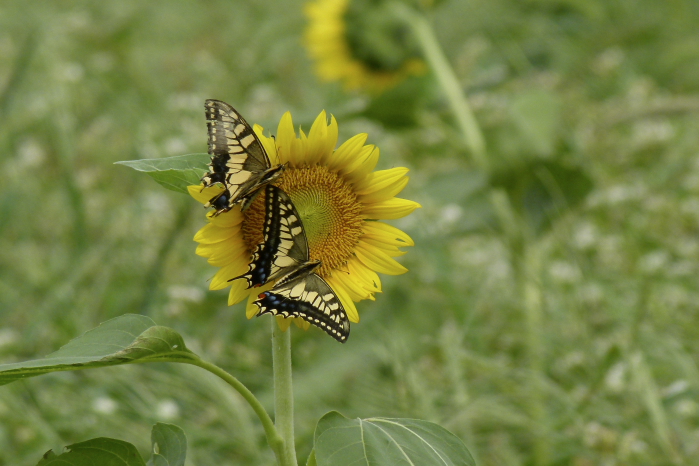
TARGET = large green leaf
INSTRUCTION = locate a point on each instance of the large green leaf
(127, 339)
(169, 449)
(175, 173)
(382, 441)
(95, 452)
(169, 445)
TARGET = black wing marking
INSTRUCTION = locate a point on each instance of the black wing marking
(283, 253)
(238, 159)
(310, 298)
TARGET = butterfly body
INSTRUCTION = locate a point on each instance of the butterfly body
(283, 258)
(238, 160)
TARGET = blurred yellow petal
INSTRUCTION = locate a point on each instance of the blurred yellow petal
(354, 288)
(283, 323)
(370, 157)
(347, 303)
(224, 256)
(386, 233)
(214, 234)
(368, 278)
(300, 323)
(321, 140)
(238, 292)
(382, 191)
(227, 219)
(268, 144)
(378, 260)
(347, 150)
(204, 195)
(390, 209)
(251, 308)
(220, 280)
(379, 180)
(389, 249)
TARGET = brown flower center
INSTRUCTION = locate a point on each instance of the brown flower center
(328, 209)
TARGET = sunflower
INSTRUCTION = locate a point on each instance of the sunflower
(340, 199)
(360, 43)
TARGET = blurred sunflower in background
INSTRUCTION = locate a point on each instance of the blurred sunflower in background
(340, 199)
(361, 43)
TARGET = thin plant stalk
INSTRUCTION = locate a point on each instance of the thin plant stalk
(276, 442)
(283, 392)
(432, 52)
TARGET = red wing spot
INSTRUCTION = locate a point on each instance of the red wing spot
(262, 295)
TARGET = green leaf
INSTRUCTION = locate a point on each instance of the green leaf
(382, 441)
(312, 459)
(169, 445)
(175, 173)
(127, 339)
(98, 451)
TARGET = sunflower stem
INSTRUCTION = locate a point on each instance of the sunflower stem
(283, 393)
(275, 441)
(448, 81)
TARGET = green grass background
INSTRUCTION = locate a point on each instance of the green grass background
(602, 370)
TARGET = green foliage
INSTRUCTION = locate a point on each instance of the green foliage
(169, 445)
(174, 173)
(340, 441)
(102, 451)
(169, 449)
(123, 340)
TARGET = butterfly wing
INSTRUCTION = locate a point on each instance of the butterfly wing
(238, 159)
(310, 298)
(283, 253)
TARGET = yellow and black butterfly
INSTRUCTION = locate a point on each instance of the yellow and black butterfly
(283, 258)
(238, 159)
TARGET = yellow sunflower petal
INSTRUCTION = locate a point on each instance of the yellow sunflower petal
(379, 180)
(302, 324)
(320, 139)
(226, 219)
(331, 141)
(368, 278)
(286, 141)
(238, 292)
(251, 308)
(220, 280)
(356, 161)
(354, 288)
(268, 144)
(203, 195)
(386, 233)
(209, 249)
(236, 252)
(390, 209)
(367, 166)
(349, 149)
(283, 323)
(347, 303)
(389, 249)
(382, 191)
(378, 260)
(214, 234)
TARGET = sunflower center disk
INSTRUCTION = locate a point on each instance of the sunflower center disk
(328, 209)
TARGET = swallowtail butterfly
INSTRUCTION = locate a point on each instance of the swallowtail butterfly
(238, 159)
(283, 258)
